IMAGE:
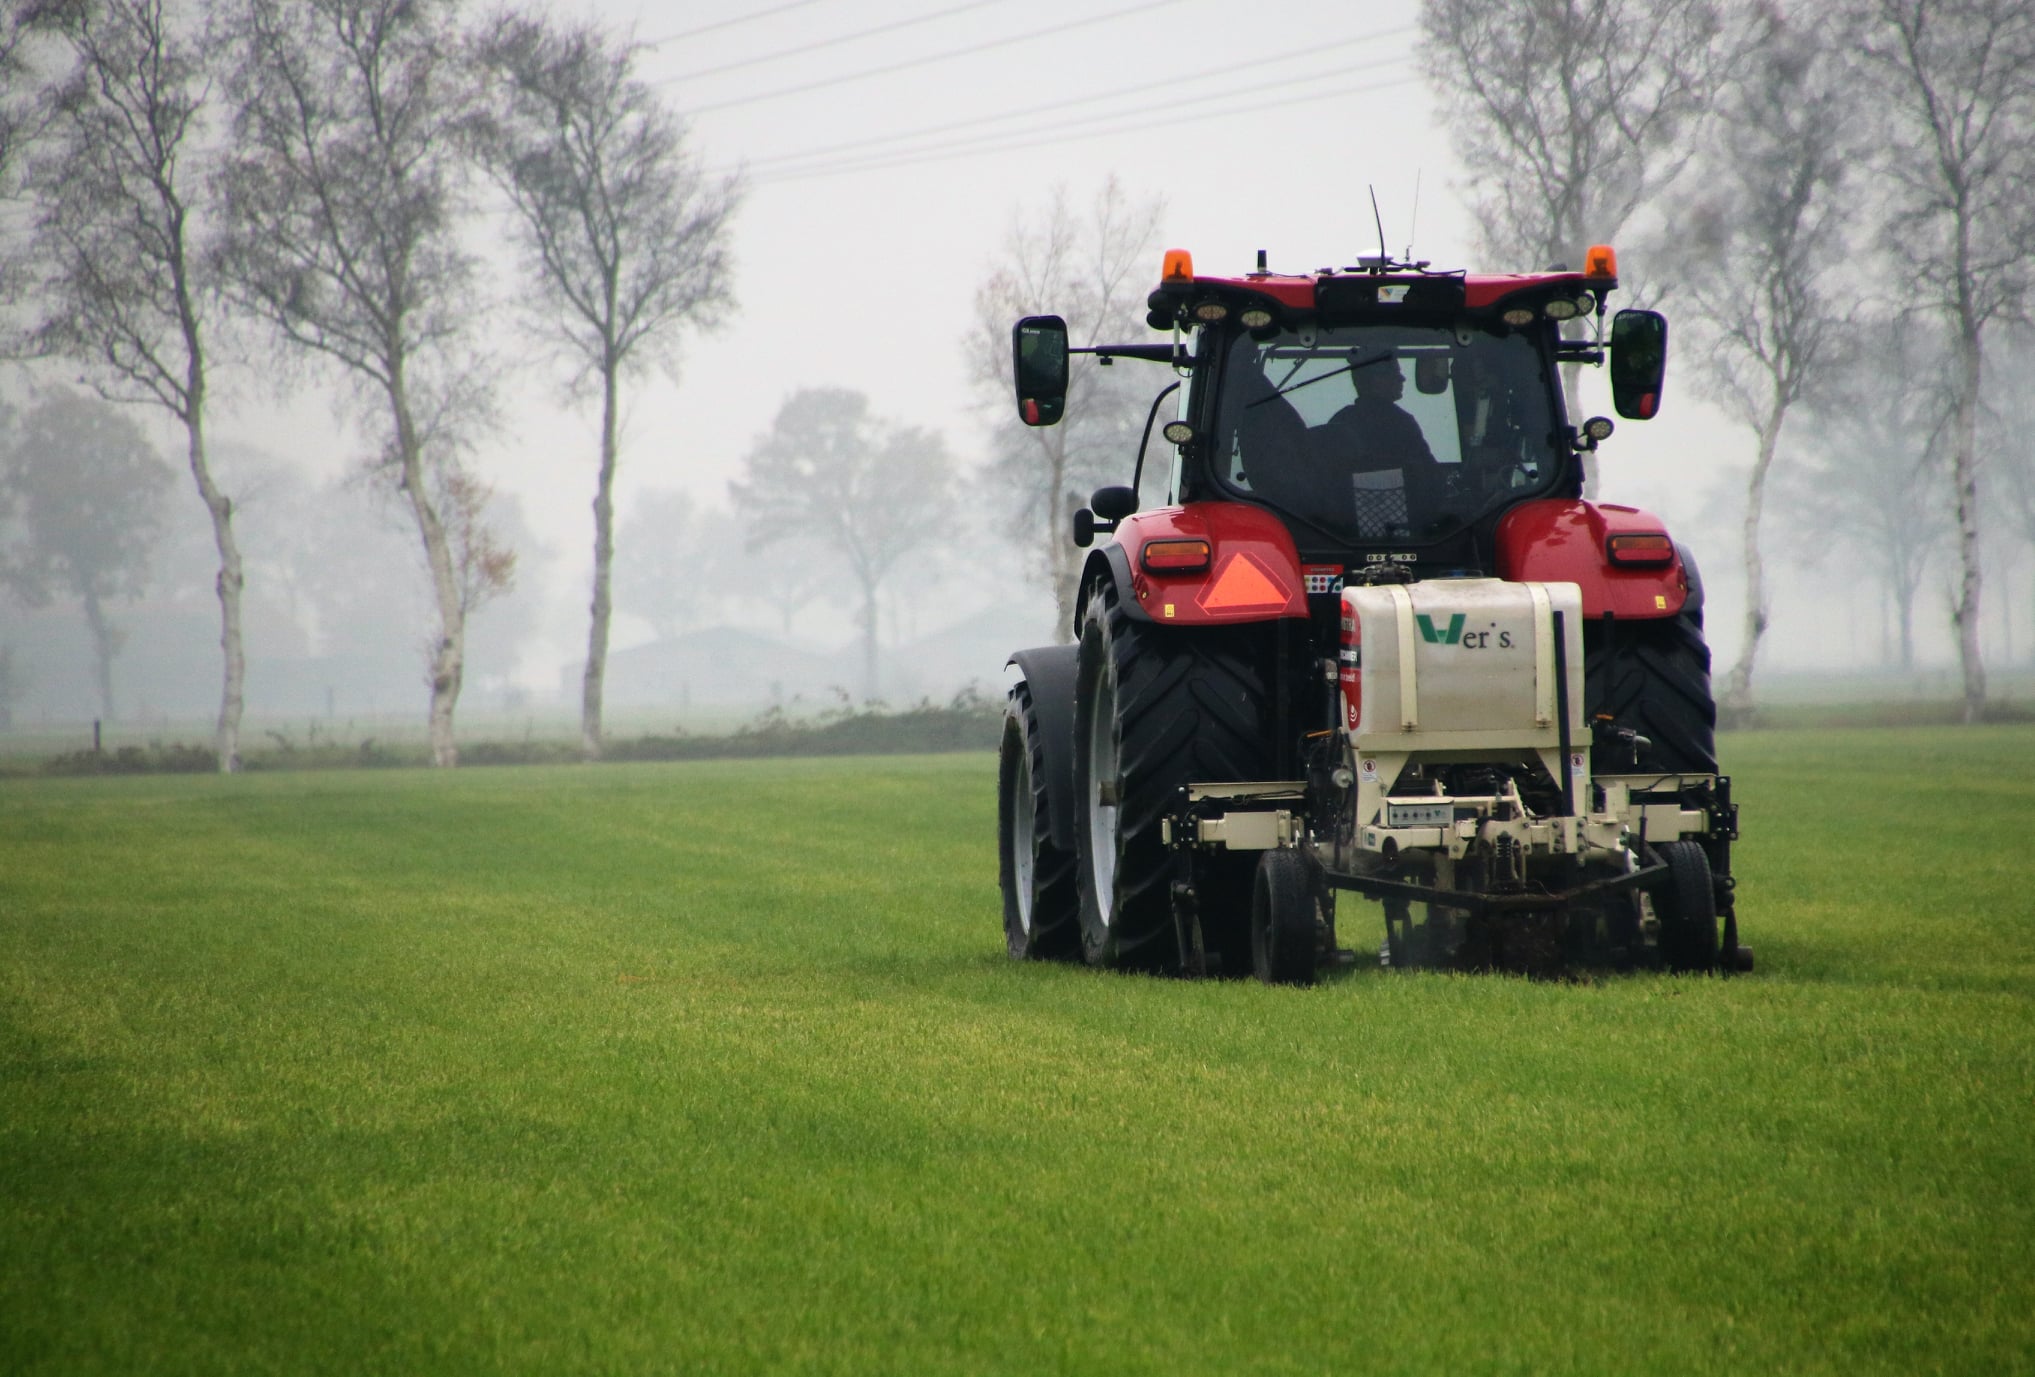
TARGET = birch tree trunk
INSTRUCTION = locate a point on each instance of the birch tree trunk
(448, 656)
(869, 650)
(1964, 476)
(1063, 557)
(230, 582)
(1738, 686)
(593, 683)
(105, 641)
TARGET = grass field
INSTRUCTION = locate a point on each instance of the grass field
(719, 1067)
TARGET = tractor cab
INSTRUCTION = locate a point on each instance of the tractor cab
(1385, 413)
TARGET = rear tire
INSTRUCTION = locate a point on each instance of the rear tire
(1285, 941)
(1156, 708)
(1687, 908)
(1041, 910)
(1653, 677)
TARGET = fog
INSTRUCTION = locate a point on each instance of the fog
(882, 176)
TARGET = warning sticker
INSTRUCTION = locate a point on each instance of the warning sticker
(1369, 770)
(1243, 584)
(1323, 578)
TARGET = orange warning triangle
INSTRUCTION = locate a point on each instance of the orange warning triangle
(1242, 585)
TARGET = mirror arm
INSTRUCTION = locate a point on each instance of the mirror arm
(1138, 470)
(1150, 353)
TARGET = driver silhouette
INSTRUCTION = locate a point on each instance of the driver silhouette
(1378, 451)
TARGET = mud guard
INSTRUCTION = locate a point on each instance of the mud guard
(1253, 572)
(1049, 672)
(1107, 562)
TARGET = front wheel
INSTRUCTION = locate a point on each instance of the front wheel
(1285, 937)
(1687, 908)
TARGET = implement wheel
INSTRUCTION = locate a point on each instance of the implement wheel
(1284, 939)
(1040, 907)
(1155, 708)
(1687, 908)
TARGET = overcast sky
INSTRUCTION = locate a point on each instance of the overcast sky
(886, 146)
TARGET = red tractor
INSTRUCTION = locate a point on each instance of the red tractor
(1375, 643)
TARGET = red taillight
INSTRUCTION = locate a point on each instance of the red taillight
(1174, 556)
(1350, 669)
(1648, 548)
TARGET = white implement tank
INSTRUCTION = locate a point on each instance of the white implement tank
(1461, 669)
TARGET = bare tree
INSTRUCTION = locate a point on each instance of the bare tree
(342, 208)
(627, 238)
(84, 489)
(1094, 266)
(22, 114)
(1878, 423)
(875, 490)
(117, 240)
(1764, 231)
(1570, 114)
(1957, 79)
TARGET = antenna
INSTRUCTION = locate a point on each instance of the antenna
(1383, 262)
(1413, 222)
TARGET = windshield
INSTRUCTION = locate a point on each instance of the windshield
(1387, 432)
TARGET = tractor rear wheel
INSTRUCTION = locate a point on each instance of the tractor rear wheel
(1155, 708)
(1687, 909)
(1652, 678)
(1040, 907)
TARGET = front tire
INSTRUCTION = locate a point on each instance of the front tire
(1040, 906)
(1156, 708)
(1687, 908)
(1285, 938)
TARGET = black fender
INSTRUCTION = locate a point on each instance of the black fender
(1693, 605)
(1049, 673)
(1108, 562)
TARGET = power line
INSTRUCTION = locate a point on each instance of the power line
(988, 145)
(1171, 82)
(930, 58)
(731, 23)
(819, 44)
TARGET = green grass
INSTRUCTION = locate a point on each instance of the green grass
(719, 1067)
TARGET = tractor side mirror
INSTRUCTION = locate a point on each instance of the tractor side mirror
(1114, 503)
(1039, 361)
(1639, 361)
(1431, 374)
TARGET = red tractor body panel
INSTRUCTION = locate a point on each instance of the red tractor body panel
(1561, 540)
(1252, 575)
(1480, 291)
